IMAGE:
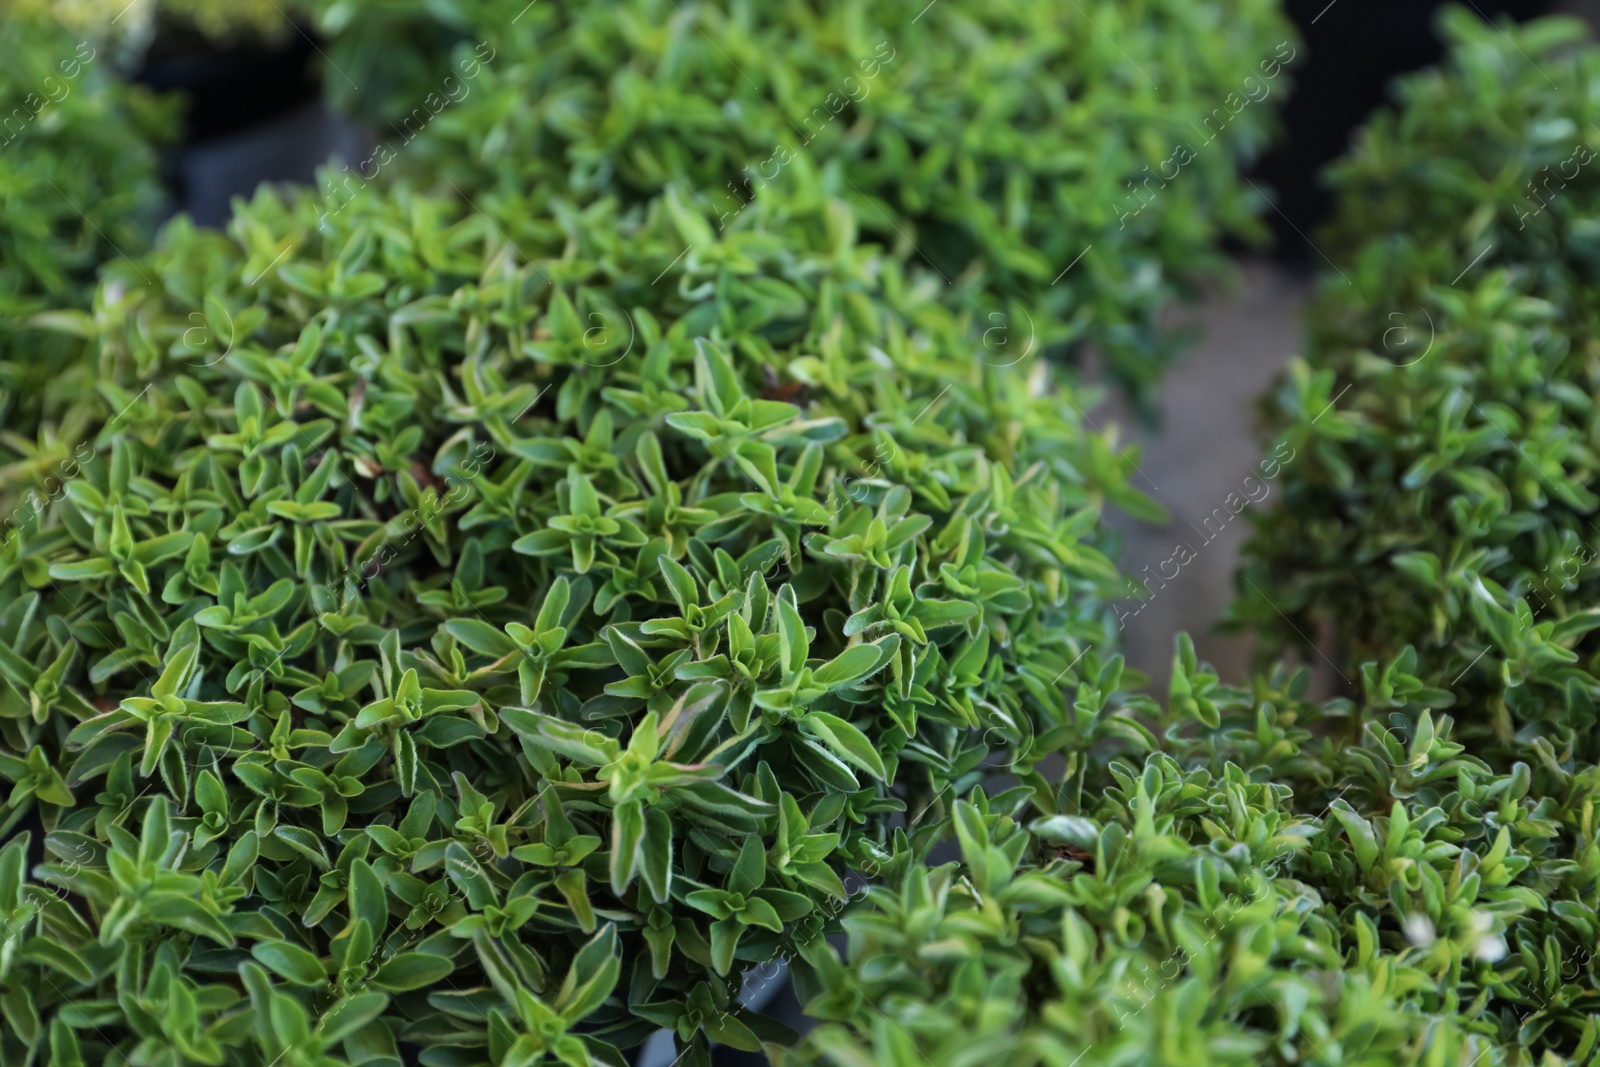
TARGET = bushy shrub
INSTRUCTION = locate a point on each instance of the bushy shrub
(479, 625)
(77, 187)
(1490, 152)
(1440, 495)
(485, 634)
(1280, 883)
(993, 144)
(1444, 423)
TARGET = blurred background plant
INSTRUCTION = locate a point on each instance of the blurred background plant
(134, 24)
(992, 145)
(78, 186)
(1448, 498)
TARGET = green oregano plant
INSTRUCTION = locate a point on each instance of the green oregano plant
(77, 187)
(1063, 169)
(1278, 881)
(483, 626)
(1444, 490)
(1488, 153)
(477, 636)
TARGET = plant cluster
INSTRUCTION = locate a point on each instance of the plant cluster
(990, 144)
(1368, 881)
(77, 187)
(1444, 419)
(486, 633)
(1274, 882)
(478, 621)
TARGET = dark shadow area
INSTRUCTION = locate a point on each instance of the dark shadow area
(1352, 51)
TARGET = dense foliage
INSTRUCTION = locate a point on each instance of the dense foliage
(1280, 883)
(1445, 420)
(488, 635)
(77, 187)
(477, 618)
(1369, 881)
(990, 144)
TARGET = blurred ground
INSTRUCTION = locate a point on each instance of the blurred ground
(1204, 446)
(286, 148)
